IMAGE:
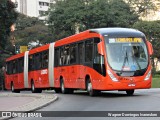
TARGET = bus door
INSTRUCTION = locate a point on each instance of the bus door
(14, 78)
(44, 72)
(20, 75)
(73, 66)
(81, 67)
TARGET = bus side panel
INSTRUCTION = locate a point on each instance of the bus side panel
(80, 76)
(33, 77)
(8, 79)
(43, 79)
(56, 77)
(40, 78)
(64, 73)
(14, 79)
(73, 76)
(21, 81)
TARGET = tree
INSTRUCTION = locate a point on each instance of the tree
(36, 32)
(30, 29)
(24, 21)
(68, 17)
(7, 18)
(151, 30)
(141, 6)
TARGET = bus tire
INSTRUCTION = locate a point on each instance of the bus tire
(90, 89)
(130, 92)
(35, 90)
(63, 89)
(13, 89)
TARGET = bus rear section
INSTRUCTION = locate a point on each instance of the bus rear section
(14, 75)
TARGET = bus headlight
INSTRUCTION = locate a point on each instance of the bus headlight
(148, 75)
(112, 76)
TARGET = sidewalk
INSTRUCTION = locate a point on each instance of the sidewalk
(24, 102)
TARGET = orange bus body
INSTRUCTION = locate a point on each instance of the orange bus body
(74, 76)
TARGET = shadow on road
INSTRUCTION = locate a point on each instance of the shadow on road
(109, 94)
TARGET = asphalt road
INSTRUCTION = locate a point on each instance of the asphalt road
(142, 100)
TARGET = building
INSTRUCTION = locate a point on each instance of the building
(34, 8)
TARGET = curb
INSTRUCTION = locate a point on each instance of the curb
(40, 100)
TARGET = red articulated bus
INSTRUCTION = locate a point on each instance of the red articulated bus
(94, 60)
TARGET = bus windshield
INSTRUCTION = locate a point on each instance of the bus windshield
(127, 54)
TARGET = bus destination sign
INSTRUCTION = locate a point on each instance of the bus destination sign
(125, 40)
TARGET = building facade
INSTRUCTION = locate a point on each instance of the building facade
(34, 8)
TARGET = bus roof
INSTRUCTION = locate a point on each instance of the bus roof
(118, 31)
(15, 57)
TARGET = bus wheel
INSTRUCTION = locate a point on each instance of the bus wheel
(35, 90)
(130, 92)
(63, 89)
(90, 89)
(13, 89)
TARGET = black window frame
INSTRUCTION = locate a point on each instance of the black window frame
(75, 46)
(46, 60)
(90, 60)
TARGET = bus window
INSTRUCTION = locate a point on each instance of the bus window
(31, 63)
(98, 60)
(88, 50)
(57, 59)
(15, 66)
(20, 65)
(73, 54)
(80, 52)
(37, 58)
(45, 59)
(66, 56)
(10, 68)
(61, 60)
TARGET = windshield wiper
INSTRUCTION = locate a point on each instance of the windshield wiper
(124, 62)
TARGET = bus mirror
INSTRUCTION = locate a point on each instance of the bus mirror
(150, 48)
(100, 50)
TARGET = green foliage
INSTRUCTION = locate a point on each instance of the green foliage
(24, 21)
(36, 32)
(31, 29)
(156, 82)
(7, 18)
(67, 17)
(151, 30)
